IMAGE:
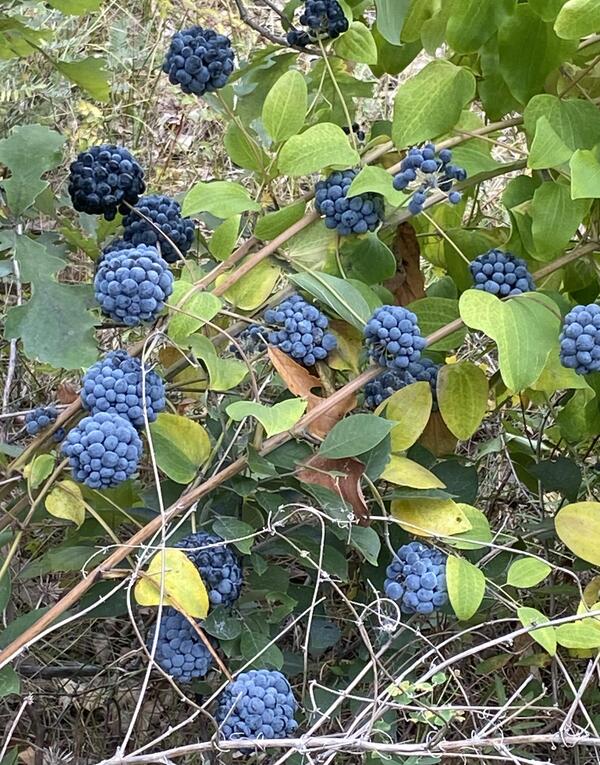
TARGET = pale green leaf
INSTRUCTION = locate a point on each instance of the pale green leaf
(357, 44)
(219, 198)
(190, 309)
(478, 536)
(581, 635)
(390, 17)
(285, 106)
(173, 574)
(66, 501)
(274, 223)
(466, 587)
(545, 636)
(462, 394)
(180, 445)
(39, 469)
(555, 218)
(404, 472)
(275, 419)
(90, 74)
(224, 238)
(585, 174)
(527, 572)
(410, 408)
(224, 374)
(375, 179)
(339, 294)
(323, 145)
(547, 148)
(254, 287)
(577, 18)
(430, 517)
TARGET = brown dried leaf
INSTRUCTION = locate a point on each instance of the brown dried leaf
(318, 470)
(301, 383)
(66, 393)
(408, 284)
(437, 438)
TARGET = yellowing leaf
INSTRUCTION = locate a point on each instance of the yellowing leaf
(546, 636)
(478, 535)
(578, 526)
(405, 472)
(430, 517)
(466, 586)
(410, 407)
(38, 469)
(527, 572)
(254, 287)
(66, 501)
(462, 392)
(180, 445)
(580, 634)
(182, 584)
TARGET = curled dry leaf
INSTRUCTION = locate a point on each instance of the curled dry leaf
(301, 383)
(340, 476)
(437, 438)
(408, 284)
(66, 393)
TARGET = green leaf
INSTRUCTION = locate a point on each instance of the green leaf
(585, 174)
(527, 572)
(546, 636)
(529, 50)
(525, 330)
(582, 635)
(28, 152)
(219, 198)
(578, 527)
(546, 9)
(224, 374)
(232, 530)
(390, 17)
(243, 150)
(181, 446)
(253, 643)
(75, 7)
(431, 102)
(547, 149)
(190, 310)
(66, 501)
(354, 435)
(10, 682)
(56, 324)
(274, 419)
(38, 470)
(224, 238)
(275, 223)
(338, 294)
(478, 535)
(284, 110)
(430, 517)
(254, 287)
(576, 122)
(366, 541)
(323, 145)
(471, 24)
(404, 472)
(90, 74)
(466, 587)
(357, 44)
(409, 408)
(221, 625)
(555, 218)
(433, 313)
(462, 393)
(370, 260)
(577, 18)
(376, 179)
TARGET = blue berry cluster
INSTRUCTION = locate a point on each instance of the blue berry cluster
(132, 285)
(180, 652)
(354, 215)
(382, 387)
(253, 338)
(219, 565)
(416, 579)
(103, 450)
(116, 245)
(301, 330)
(114, 384)
(323, 19)
(39, 419)
(423, 170)
(156, 220)
(580, 339)
(257, 704)
(393, 338)
(104, 180)
(199, 60)
(501, 273)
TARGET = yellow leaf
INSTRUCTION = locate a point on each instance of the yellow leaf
(430, 517)
(410, 407)
(182, 584)
(578, 526)
(405, 472)
(66, 501)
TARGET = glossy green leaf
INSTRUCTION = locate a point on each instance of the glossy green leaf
(555, 218)
(466, 587)
(577, 18)
(390, 17)
(341, 296)
(273, 224)
(547, 148)
(243, 150)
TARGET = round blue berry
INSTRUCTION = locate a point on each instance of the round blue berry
(39, 419)
(156, 221)
(501, 273)
(393, 338)
(219, 565)
(180, 651)
(199, 60)
(580, 339)
(416, 579)
(353, 215)
(299, 329)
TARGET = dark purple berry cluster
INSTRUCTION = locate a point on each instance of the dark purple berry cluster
(219, 565)
(382, 387)
(103, 450)
(104, 180)
(39, 419)
(393, 338)
(416, 579)
(580, 339)
(356, 129)
(501, 273)
(133, 285)
(257, 704)
(116, 384)
(199, 60)
(156, 221)
(323, 19)
(423, 171)
(300, 330)
(347, 215)
(180, 651)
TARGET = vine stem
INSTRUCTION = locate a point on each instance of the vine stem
(29, 636)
